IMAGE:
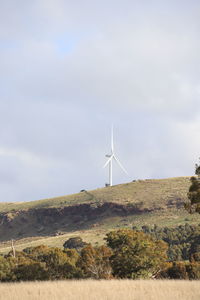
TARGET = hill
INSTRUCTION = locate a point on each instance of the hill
(92, 213)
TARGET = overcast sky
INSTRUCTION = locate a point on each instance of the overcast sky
(69, 69)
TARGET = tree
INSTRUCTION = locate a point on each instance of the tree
(6, 268)
(178, 271)
(194, 192)
(75, 243)
(72, 255)
(31, 271)
(193, 270)
(59, 264)
(179, 238)
(135, 254)
(195, 249)
(95, 263)
(181, 270)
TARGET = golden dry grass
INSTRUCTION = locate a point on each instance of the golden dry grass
(95, 237)
(102, 290)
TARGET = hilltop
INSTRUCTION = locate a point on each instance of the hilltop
(152, 192)
(92, 213)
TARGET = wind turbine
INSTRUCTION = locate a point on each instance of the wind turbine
(110, 161)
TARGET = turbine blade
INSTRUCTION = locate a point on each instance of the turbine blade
(117, 160)
(108, 161)
(112, 142)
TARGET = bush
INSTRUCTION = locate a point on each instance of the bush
(32, 271)
(193, 270)
(59, 264)
(178, 271)
(182, 270)
(75, 243)
(6, 269)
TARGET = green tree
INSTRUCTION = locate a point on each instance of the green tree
(182, 270)
(31, 271)
(6, 269)
(183, 240)
(60, 264)
(194, 192)
(195, 249)
(135, 254)
(178, 271)
(75, 243)
(193, 270)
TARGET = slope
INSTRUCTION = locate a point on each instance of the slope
(92, 213)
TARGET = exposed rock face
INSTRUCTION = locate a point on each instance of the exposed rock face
(48, 221)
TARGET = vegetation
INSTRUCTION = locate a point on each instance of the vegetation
(183, 241)
(75, 243)
(92, 214)
(129, 254)
(194, 192)
(95, 262)
(141, 250)
(135, 254)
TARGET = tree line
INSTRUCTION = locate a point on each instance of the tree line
(127, 254)
(183, 240)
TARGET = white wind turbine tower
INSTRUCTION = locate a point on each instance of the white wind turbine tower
(110, 161)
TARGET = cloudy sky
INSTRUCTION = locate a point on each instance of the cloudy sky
(69, 69)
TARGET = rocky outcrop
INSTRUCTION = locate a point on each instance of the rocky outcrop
(49, 221)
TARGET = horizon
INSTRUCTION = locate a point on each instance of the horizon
(102, 187)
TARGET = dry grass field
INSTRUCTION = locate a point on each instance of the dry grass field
(102, 290)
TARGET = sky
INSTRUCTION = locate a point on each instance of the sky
(70, 69)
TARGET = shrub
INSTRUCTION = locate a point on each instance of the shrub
(193, 270)
(178, 271)
(75, 243)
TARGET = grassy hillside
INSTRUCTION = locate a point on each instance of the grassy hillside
(152, 192)
(91, 214)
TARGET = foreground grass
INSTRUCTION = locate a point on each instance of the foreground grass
(100, 290)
